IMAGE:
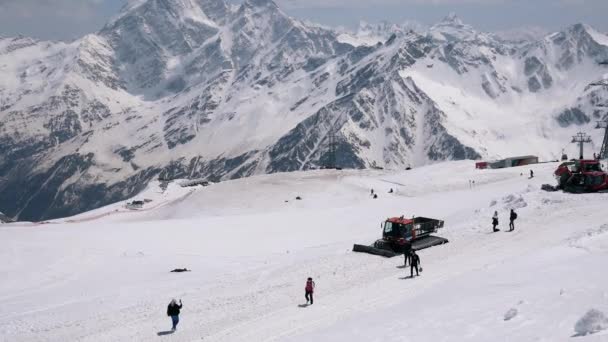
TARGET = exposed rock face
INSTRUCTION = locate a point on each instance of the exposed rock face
(197, 88)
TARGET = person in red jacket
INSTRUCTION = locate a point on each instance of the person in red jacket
(310, 288)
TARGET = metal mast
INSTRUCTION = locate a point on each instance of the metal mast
(581, 139)
(604, 150)
(331, 160)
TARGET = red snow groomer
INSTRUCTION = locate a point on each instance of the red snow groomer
(581, 176)
(399, 233)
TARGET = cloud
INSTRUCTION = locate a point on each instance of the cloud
(60, 8)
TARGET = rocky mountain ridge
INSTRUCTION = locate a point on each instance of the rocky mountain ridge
(197, 88)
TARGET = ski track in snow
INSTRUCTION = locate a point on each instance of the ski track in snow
(104, 275)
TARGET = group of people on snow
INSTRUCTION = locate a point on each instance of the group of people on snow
(173, 309)
(409, 254)
(512, 218)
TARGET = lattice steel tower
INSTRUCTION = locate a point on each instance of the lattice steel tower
(581, 139)
(331, 160)
(604, 150)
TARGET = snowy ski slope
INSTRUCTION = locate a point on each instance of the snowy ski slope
(104, 275)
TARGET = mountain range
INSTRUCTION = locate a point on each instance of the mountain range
(204, 89)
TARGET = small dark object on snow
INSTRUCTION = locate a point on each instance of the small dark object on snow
(408, 168)
(163, 333)
(177, 270)
(375, 196)
(299, 198)
(549, 187)
(390, 191)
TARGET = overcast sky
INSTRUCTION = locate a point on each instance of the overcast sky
(67, 19)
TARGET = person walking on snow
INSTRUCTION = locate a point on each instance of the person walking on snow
(512, 218)
(173, 312)
(414, 263)
(407, 253)
(495, 221)
(531, 174)
(309, 289)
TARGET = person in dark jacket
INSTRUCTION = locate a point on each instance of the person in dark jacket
(407, 253)
(173, 312)
(414, 263)
(512, 218)
(531, 174)
(309, 289)
(495, 221)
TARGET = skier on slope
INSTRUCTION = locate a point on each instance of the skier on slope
(512, 218)
(309, 289)
(495, 221)
(173, 312)
(531, 173)
(414, 263)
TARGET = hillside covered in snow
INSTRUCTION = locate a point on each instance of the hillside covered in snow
(250, 245)
(201, 89)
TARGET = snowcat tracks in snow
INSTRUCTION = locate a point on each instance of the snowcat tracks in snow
(428, 241)
(425, 242)
(374, 251)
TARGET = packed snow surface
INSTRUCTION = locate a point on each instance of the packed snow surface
(104, 275)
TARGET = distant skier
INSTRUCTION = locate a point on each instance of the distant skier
(414, 263)
(495, 221)
(390, 191)
(531, 174)
(309, 290)
(512, 218)
(372, 192)
(173, 312)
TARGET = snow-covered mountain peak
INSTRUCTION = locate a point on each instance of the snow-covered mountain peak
(10, 44)
(262, 10)
(199, 88)
(451, 19)
(523, 34)
(261, 3)
(597, 36)
(370, 34)
(575, 45)
(452, 28)
(153, 11)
